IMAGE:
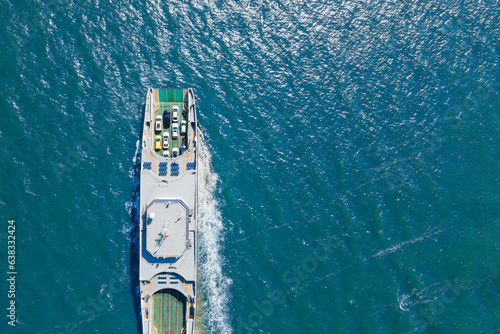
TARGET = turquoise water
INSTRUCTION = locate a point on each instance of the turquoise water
(351, 175)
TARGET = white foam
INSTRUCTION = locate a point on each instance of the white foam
(402, 244)
(405, 302)
(214, 285)
(137, 144)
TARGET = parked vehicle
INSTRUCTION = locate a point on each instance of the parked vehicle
(158, 142)
(166, 139)
(175, 114)
(175, 130)
(166, 118)
(183, 127)
(158, 123)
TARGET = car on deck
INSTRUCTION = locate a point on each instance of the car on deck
(166, 139)
(183, 127)
(166, 118)
(175, 114)
(175, 130)
(158, 123)
(158, 143)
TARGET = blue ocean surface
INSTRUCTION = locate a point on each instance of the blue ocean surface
(349, 167)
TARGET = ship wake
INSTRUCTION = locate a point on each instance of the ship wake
(214, 285)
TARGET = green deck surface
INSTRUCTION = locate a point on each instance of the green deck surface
(162, 95)
(169, 311)
(171, 95)
(179, 95)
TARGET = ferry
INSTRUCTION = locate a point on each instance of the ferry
(168, 232)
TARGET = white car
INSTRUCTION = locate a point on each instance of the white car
(166, 139)
(175, 114)
(183, 127)
(166, 153)
(175, 130)
(158, 123)
(175, 152)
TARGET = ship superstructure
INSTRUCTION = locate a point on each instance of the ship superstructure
(168, 212)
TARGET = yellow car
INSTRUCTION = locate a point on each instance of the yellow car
(158, 143)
